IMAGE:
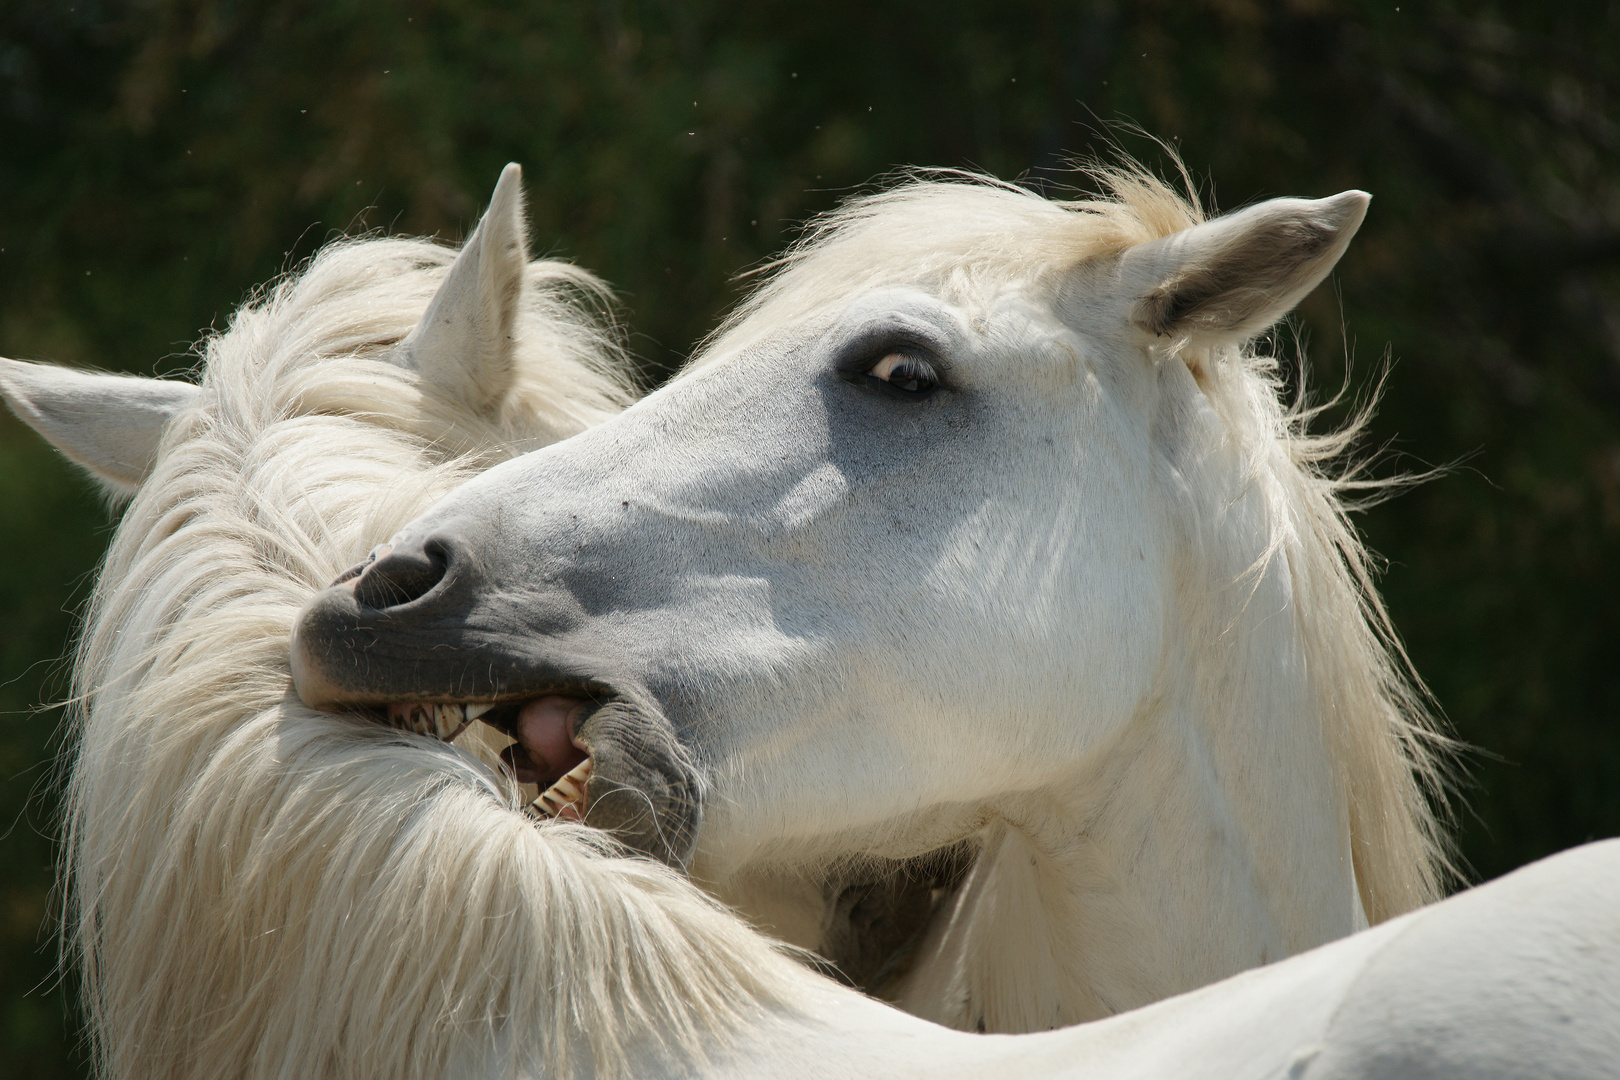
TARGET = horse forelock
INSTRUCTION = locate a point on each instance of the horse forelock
(258, 889)
(956, 233)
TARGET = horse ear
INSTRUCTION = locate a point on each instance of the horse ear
(1235, 276)
(110, 425)
(464, 342)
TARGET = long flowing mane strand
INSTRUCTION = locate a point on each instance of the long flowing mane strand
(256, 889)
(1397, 761)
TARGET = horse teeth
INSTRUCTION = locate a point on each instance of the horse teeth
(567, 793)
(450, 721)
(442, 720)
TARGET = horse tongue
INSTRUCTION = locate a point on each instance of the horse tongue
(545, 730)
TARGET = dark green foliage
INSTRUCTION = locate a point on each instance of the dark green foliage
(160, 159)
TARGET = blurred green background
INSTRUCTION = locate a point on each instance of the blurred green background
(159, 159)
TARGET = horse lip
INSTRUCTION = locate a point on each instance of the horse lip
(345, 656)
(309, 678)
(643, 785)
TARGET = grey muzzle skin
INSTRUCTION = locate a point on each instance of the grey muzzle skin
(643, 788)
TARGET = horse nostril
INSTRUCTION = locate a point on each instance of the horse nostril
(404, 573)
(360, 567)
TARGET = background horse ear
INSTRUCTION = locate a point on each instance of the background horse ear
(1233, 277)
(108, 424)
(464, 343)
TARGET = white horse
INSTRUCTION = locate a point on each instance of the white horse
(972, 612)
(266, 891)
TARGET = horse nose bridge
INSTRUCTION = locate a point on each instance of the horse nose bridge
(406, 570)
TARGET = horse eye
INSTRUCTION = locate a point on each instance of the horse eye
(905, 372)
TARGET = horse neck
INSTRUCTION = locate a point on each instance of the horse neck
(1210, 836)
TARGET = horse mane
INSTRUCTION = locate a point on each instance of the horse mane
(257, 889)
(956, 232)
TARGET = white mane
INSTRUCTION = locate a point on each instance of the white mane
(258, 889)
(236, 858)
(953, 234)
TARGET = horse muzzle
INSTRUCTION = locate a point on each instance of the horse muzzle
(598, 746)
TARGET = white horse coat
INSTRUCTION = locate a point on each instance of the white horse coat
(265, 891)
(976, 539)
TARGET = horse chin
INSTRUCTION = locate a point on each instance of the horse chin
(610, 761)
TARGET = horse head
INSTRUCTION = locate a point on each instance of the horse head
(900, 541)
